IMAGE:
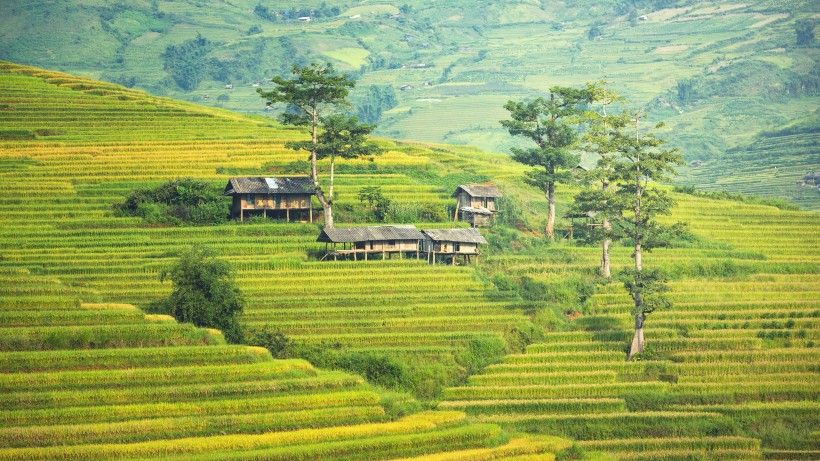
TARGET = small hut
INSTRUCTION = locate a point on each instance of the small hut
(476, 203)
(364, 241)
(282, 197)
(452, 243)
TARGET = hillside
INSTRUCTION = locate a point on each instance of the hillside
(85, 379)
(734, 373)
(718, 73)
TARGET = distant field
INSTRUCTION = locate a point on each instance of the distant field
(518, 50)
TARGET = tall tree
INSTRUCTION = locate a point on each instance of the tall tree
(342, 137)
(314, 91)
(549, 124)
(642, 160)
(598, 201)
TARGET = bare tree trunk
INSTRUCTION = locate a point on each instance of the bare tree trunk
(607, 226)
(314, 175)
(638, 344)
(329, 207)
(551, 214)
(605, 269)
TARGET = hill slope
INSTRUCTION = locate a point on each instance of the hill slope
(718, 73)
(735, 360)
(89, 380)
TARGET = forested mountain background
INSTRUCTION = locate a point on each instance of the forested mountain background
(735, 83)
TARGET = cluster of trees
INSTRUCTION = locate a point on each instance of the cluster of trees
(376, 100)
(180, 201)
(186, 63)
(621, 200)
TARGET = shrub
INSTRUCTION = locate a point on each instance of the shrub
(181, 201)
(273, 340)
(204, 293)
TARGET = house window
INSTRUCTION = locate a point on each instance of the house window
(391, 243)
(458, 247)
(371, 244)
(249, 199)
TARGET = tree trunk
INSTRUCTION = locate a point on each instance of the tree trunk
(605, 270)
(607, 226)
(638, 343)
(329, 200)
(314, 174)
(551, 215)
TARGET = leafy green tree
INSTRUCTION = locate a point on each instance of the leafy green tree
(640, 162)
(551, 125)
(377, 202)
(314, 91)
(204, 293)
(597, 202)
(344, 137)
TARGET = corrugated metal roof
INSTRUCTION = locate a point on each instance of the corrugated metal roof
(478, 190)
(278, 185)
(467, 235)
(368, 233)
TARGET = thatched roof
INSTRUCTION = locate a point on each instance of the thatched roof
(280, 185)
(467, 235)
(368, 233)
(478, 190)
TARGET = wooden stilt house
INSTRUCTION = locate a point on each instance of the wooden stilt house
(476, 203)
(449, 244)
(363, 242)
(281, 198)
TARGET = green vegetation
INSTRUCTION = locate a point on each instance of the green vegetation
(204, 293)
(549, 125)
(181, 201)
(521, 345)
(311, 98)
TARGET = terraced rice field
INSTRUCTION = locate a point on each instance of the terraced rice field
(734, 372)
(86, 375)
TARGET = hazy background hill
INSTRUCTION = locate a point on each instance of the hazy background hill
(736, 83)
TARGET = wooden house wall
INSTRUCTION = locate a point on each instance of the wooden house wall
(466, 200)
(272, 201)
(386, 246)
(428, 245)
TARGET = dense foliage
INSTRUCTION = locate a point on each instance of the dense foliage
(204, 293)
(180, 201)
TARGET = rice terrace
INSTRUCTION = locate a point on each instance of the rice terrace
(455, 230)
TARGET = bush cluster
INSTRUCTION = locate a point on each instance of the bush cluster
(177, 202)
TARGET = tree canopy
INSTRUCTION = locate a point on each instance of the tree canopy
(551, 125)
(312, 97)
(204, 293)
